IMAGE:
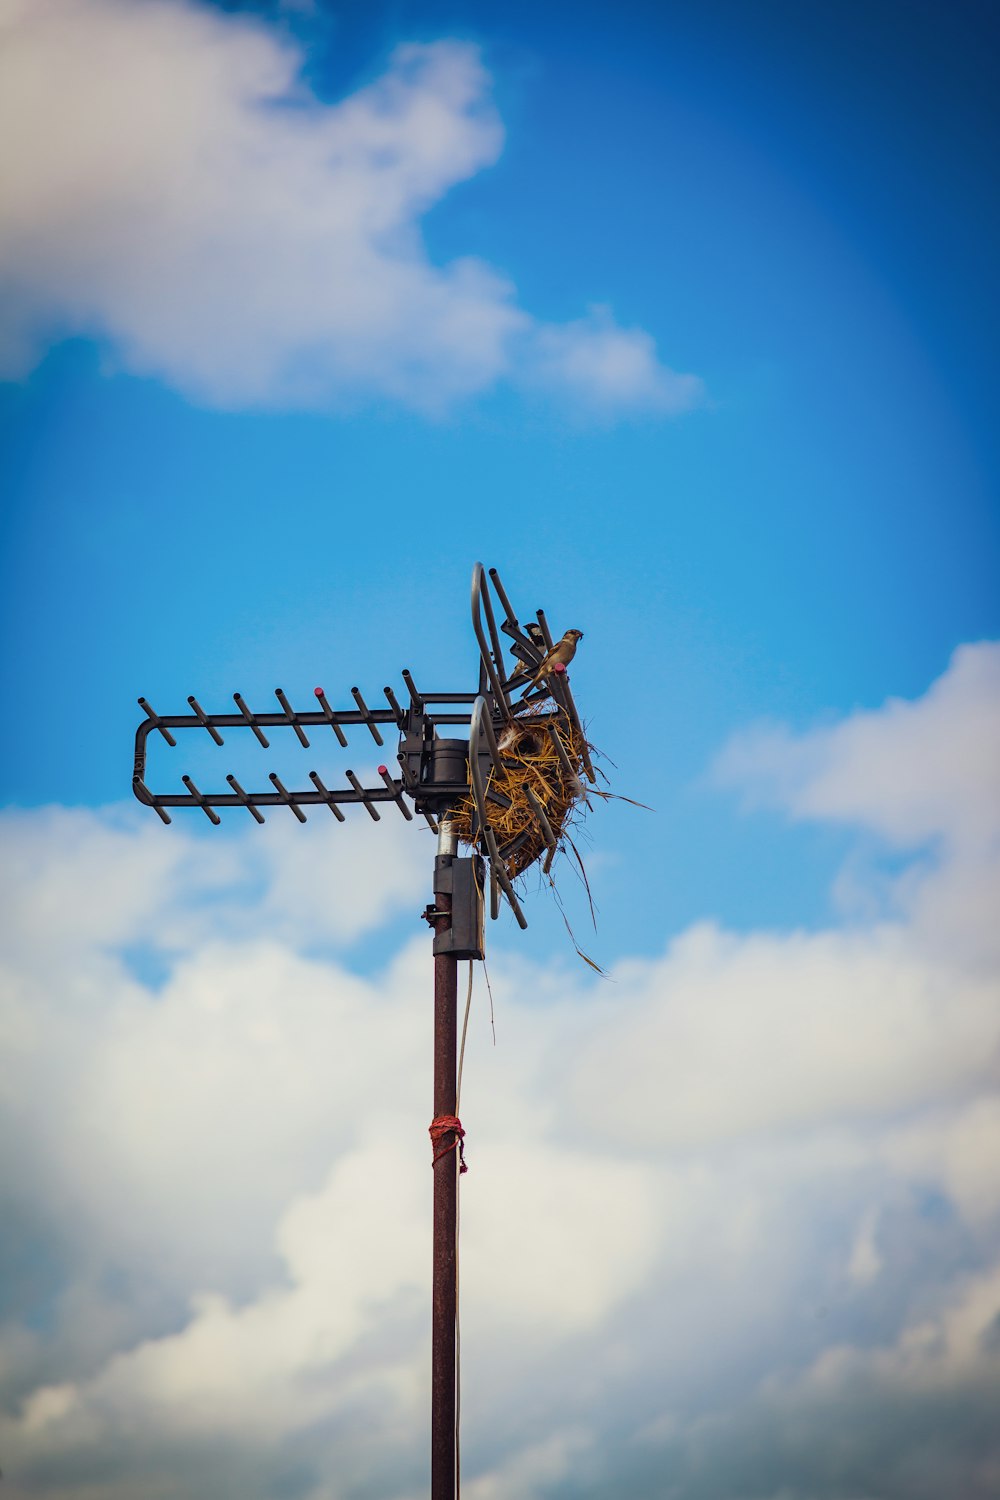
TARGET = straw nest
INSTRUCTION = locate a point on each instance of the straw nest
(530, 766)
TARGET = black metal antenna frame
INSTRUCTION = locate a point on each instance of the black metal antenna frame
(420, 750)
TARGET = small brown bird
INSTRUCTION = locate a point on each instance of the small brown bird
(564, 650)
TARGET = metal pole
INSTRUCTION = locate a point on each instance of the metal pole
(445, 1282)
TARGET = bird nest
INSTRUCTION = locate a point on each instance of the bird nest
(532, 769)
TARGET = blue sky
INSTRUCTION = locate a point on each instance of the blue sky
(682, 316)
(794, 206)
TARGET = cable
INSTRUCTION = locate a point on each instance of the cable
(461, 1050)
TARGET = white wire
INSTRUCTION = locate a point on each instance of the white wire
(461, 1050)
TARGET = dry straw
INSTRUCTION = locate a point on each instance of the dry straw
(541, 763)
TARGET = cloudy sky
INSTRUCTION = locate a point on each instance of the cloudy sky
(684, 316)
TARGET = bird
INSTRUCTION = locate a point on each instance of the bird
(563, 651)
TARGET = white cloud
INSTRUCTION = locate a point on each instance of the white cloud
(172, 188)
(610, 369)
(806, 1029)
(957, 1150)
(175, 888)
(909, 771)
(731, 1224)
(865, 1262)
(910, 1418)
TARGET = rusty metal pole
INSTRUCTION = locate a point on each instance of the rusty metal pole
(445, 1253)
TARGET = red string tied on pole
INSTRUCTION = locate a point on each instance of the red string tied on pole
(442, 1126)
